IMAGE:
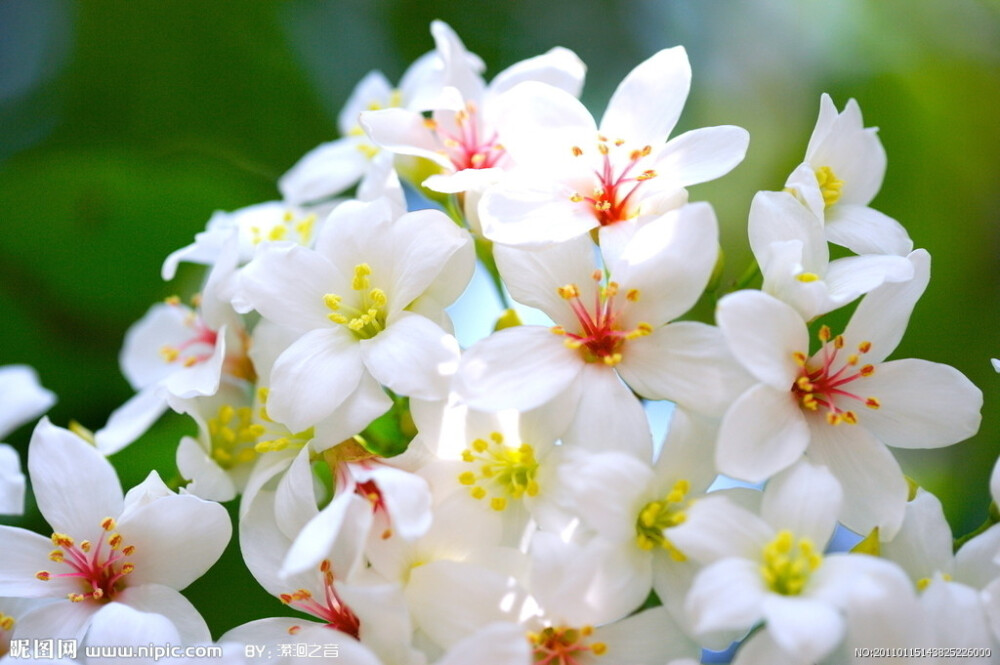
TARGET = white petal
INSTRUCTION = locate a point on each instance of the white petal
(12, 482)
(607, 491)
(402, 132)
(176, 539)
(669, 261)
(923, 404)
(806, 500)
(558, 67)
(286, 284)
(978, 562)
(717, 529)
(61, 620)
(207, 479)
(608, 416)
(517, 368)
(407, 499)
(762, 433)
(726, 595)
(118, 624)
(957, 617)
(326, 170)
(853, 276)
(165, 601)
(26, 553)
(496, 644)
(686, 362)
(373, 89)
(450, 599)
(22, 397)
(533, 214)
(923, 545)
(314, 376)
(764, 334)
(854, 153)
(412, 357)
(824, 124)
(803, 626)
(874, 488)
(650, 636)
(365, 404)
(882, 315)
(338, 533)
(700, 155)
(74, 485)
(538, 124)
(780, 217)
(647, 103)
(864, 230)
(534, 277)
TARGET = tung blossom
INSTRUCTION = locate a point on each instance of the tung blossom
(609, 330)
(839, 405)
(367, 305)
(138, 550)
(574, 175)
(843, 170)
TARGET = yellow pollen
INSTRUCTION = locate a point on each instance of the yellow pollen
(62, 540)
(829, 185)
(807, 277)
(788, 563)
(332, 301)
(361, 273)
(656, 517)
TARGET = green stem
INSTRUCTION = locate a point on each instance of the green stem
(993, 517)
(751, 273)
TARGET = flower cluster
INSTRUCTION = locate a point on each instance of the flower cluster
(506, 503)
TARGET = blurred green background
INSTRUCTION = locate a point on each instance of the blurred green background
(124, 125)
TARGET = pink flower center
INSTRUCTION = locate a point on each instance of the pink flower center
(824, 378)
(330, 609)
(195, 349)
(101, 568)
(601, 336)
(464, 142)
(564, 646)
(614, 192)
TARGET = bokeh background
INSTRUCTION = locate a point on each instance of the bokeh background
(124, 125)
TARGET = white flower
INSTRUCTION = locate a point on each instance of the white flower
(137, 550)
(609, 330)
(842, 172)
(573, 175)
(842, 403)
(356, 302)
(791, 248)
(22, 399)
(772, 567)
(461, 137)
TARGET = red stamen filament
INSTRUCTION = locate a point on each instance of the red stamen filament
(612, 194)
(464, 146)
(334, 611)
(601, 337)
(100, 570)
(822, 386)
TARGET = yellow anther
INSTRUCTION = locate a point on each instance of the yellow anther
(867, 370)
(43, 575)
(498, 503)
(612, 359)
(807, 277)
(6, 622)
(576, 198)
(569, 291)
(632, 295)
(577, 151)
(829, 185)
(646, 150)
(277, 233)
(603, 148)
(824, 334)
(873, 403)
(85, 545)
(496, 437)
(338, 318)
(108, 524)
(173, 301)
(127, 568)
(467, 478)
(367, 149)
(850, 418)
(169, 353)
(477, 492)
(115, 541)
(190, 361)
(852, 359)
(361, 273)
(57, 556)
(648, 174)
(378, 298)
(127, 551)
(573, 344)
(804, 384)
(480, 446)
(865, 347)
(62, 540)
(641, 330)
(75, 597)
(838, 342)
(332, 301)
(800, 358)
(430, 124)
(599, 648)
(602, 206)
(834, 418)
